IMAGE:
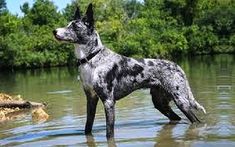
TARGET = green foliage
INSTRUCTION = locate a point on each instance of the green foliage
(35, 50)
(3, 6)
(43, 12)
(9, 24)
(147, 28)
(221, 19)
(25, 8)
(201, 40)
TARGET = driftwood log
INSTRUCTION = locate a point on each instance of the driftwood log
(21, 104)
(12, 107)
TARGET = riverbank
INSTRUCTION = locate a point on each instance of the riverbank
(73, 63)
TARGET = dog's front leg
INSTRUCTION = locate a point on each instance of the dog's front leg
(92, 101)
(109, 106)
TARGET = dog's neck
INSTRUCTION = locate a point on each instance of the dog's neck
(83, 50)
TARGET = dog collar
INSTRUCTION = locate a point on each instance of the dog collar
(86, 59)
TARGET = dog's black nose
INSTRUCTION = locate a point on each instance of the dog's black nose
(54, 32)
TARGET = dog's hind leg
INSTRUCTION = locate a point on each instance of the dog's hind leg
(161, 99)
(92, 100)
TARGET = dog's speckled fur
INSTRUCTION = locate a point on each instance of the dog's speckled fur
(109, 76)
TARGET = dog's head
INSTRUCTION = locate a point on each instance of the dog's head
(79, 30)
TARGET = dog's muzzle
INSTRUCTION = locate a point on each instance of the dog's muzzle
(56, 36)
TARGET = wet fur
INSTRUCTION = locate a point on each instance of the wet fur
(109, 76)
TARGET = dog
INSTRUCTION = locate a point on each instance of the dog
(108, 76)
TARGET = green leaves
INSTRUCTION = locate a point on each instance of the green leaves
(43, 12)
(3, 6)
(201, 40)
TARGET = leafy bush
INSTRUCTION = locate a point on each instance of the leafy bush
(134, 28)
(201, 40)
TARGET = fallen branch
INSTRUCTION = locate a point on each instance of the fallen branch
(12, 107)
(21, 104)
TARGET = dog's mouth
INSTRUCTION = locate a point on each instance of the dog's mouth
(57, 37)
(63, 38)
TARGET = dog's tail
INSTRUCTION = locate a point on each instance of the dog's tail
(186, 103)
(187, 107)
(185, 100)
(194, 103)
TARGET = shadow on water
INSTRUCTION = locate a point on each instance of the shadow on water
(212, 80)
(34, 136)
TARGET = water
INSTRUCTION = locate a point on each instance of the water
(137, 122)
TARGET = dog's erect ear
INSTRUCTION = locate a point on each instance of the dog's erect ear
(77, 14)
(89, 16)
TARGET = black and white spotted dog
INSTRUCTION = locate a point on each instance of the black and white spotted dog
(109, 76)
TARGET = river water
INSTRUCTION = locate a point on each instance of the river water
(212, 79)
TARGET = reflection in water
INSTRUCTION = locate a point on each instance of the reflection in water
(165, 136)
(90, 141)
(224, 92)
(178, 135)
(137, 124)
(213, 84)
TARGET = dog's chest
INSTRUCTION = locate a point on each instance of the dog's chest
(86, 75)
